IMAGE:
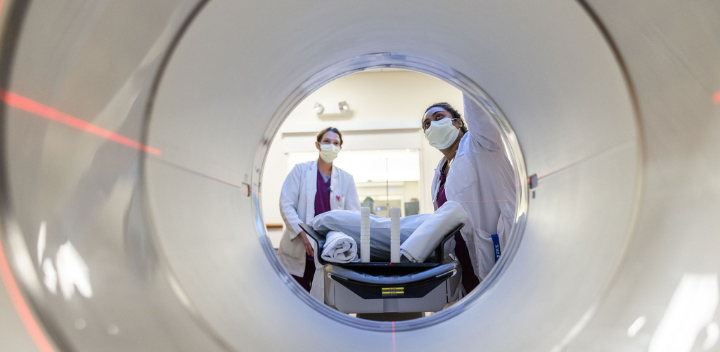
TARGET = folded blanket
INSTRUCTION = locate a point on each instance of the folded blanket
(421, 243)
(348, 222)
(339, 248)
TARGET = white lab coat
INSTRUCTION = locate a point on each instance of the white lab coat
(297, 205)
(482, 180)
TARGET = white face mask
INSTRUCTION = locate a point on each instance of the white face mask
(442, 134)
(328, 152)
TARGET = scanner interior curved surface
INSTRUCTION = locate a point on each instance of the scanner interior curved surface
(131, 133)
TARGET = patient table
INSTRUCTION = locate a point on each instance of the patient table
(384, 287)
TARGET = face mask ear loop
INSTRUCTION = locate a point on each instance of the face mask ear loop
(462, 124)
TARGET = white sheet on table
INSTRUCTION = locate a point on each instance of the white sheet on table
(339, 248)
(348, 222)
(428, 235)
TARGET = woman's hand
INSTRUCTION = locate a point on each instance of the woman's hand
(307, 244)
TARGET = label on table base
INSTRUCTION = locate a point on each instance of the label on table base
(393, 291)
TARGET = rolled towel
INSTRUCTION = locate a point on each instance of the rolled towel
(339, 248)
(348, 222)
(427, 236)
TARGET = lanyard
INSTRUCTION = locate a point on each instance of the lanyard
(496, 244)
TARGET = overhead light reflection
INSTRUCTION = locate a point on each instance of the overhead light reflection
(72, 272)
(16, 297)
(42, 239)
(50, 276)
(691, 309)
(713, 332)
(113, 330)
(636, 326)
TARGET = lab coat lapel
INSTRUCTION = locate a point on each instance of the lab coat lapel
(451, 189)
(310, 190)
(334, 189)
(436, 181)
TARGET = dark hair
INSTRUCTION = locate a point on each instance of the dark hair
(329, 129)
(455, 114)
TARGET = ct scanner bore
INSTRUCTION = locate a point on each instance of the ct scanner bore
(123, 232)
(389, 60)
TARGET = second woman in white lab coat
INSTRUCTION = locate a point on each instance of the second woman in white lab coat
(310, 189)
(476, 173)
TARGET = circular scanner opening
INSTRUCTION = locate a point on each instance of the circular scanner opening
(219, 106)
(377, 102)
(546, 64)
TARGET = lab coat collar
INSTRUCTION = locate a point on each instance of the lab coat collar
(334, 189)
(462, 148)
(436, 180)
(333, 174)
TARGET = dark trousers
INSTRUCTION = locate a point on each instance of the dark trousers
(469, 280)
(306, 280)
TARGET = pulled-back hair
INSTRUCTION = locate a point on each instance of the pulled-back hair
(329, 129)
(455, 114)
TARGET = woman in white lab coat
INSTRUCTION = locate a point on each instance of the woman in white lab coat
(476, 173)
(310, 189)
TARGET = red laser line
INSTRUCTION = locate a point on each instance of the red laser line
(518, 184)
(486, 201)
(31, 106)
(21, 307)
(231, 184)
(393, 337)
(716, 97)
(224, 182)
(200, 174)
(13, 291)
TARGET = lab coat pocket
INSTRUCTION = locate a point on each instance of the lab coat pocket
(294, 247)
(338, 200)
(483, 248)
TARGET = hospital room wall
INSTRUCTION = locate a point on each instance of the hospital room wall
(387, 103)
